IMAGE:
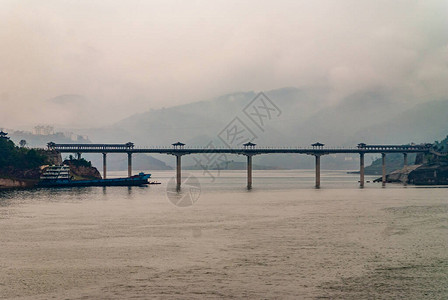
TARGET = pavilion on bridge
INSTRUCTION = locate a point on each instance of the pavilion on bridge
(178, 145)
(318, 145)
(249, 145)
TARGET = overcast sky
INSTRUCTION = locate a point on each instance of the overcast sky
(123, 57)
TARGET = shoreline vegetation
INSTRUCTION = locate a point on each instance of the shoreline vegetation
(20, 166)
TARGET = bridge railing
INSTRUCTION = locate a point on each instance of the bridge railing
(130, 146)
(54, 146)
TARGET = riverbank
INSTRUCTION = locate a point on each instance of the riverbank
(425, 174)
(430, 174)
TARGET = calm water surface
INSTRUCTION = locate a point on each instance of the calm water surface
(283, 239)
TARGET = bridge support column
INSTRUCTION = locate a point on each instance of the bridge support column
(79, 155)
(129, 164)
(383, 160)
(361, 170)
(249, 172)
(405, 163)
(178, 171)
(104, 165)
(317, 171)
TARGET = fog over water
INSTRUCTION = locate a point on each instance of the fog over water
(117, 58)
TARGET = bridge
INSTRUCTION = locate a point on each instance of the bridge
(249, 150)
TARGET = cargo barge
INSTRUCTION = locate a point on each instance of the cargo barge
(59, 176)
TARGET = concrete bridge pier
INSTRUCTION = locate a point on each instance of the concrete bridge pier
(78, 155)
(317, 171)
(104, 165)
(129, 164)
(249, 172)
(383, 161)
(405, 163)
(178, 171)
(361, 170)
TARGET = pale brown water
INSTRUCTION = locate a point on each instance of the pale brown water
(283, 239)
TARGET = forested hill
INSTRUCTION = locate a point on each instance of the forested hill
(12, 156)
(441, 146)
(23, 163)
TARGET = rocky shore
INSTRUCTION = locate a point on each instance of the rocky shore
(425, 174)
(17, 183)
(82, 172)
(431, 174)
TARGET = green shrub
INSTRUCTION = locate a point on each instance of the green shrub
(19, 158)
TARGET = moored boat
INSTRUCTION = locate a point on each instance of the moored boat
(59, 176)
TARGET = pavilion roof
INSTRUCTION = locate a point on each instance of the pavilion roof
(317, 144)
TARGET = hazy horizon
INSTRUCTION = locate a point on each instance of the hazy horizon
(120, 58)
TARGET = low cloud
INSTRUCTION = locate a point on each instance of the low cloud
(125, 57)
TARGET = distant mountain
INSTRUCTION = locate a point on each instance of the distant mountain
(39, 140)
(72, 110)
(306, 116)
(69, 99)
(119, 162)
(340, 124)
(422, 123)
(200, 122)
(230, 165)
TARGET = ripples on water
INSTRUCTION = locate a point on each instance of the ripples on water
(283, 239)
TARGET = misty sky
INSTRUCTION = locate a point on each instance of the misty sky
(123, 57)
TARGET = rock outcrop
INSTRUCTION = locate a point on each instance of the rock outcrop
(53, 157)
(80, 172)
(18, 174)
(433, 174)
(426, 174)
(400, 176)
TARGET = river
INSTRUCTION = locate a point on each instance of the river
(282, 239)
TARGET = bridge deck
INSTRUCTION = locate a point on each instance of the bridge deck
(256, 151)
